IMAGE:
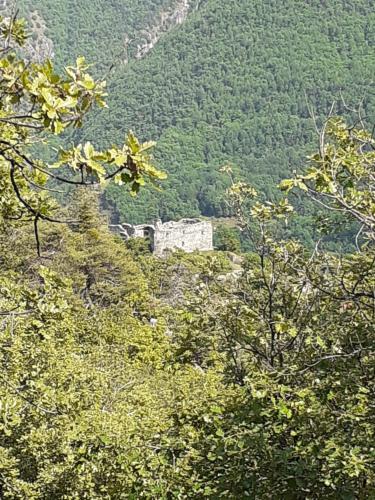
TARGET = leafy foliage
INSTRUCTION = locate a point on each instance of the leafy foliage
(37, 101)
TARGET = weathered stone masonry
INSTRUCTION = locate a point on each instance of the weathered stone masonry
(187, 234)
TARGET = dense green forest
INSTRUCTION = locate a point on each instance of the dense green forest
(204, 375)
(231, 84)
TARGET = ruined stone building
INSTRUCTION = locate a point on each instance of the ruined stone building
(187, 234)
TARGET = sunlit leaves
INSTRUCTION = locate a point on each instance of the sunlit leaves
(130, 164)
(37, 102)
(13, 30)
(268, 211)
(340, 176)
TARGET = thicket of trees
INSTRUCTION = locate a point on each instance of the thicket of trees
(257, 383)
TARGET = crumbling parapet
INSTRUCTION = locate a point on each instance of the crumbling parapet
(189, 235)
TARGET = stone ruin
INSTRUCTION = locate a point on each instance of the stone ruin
(187, 234)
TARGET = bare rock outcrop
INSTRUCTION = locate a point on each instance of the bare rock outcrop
(38, 46)
(165, 21)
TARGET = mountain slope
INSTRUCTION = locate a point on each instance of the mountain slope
(229, 84)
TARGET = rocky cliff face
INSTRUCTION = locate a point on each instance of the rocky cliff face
(164, 22)
(39, 46)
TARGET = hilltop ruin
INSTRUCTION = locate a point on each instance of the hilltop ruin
(187, 234)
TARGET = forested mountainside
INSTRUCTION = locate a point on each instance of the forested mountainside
(229, 84)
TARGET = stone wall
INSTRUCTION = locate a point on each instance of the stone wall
(187, 234)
